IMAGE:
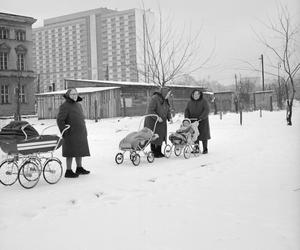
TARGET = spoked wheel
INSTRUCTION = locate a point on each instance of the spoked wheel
(136, 159)
(177, 150)
(150, 157)
(132, 154)
(52, 171)
(29, 174)
(119, 158)
(187, 152)
(196, 151)
(8, 172)
(168, 151)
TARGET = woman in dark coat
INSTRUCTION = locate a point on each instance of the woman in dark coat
(160, 106)
(198, 108)
(75, 142)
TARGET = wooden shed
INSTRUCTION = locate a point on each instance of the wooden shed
(263, 100)
(225, 101)
(135, 95)
(98, 102)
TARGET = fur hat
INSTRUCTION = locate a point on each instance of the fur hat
(164, 91)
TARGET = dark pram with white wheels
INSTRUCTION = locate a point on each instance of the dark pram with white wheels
(25, 160)
(136, 143)
(183, 140)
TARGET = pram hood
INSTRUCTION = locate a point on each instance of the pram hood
(14, 141)
(13, 131)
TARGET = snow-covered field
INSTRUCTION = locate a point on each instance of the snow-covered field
(243, 195)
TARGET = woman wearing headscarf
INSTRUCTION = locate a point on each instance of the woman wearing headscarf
(75, 143)
(198, 108)
(159, 105)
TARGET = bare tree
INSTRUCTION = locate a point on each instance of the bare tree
(169, 54)
(285, 51)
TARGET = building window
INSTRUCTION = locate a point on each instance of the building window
(20, 35)
(22, 94)
(3, 60)
(4, 94)
(4, 33)
(21, 62)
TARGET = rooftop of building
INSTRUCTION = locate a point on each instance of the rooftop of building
(17, 18)
(85, 90)
(123, 83)
(81, 14)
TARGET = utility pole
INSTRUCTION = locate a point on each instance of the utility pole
(236, 87)
(262, 71)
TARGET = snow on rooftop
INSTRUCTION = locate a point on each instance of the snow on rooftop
(79, 90)
(135, 83)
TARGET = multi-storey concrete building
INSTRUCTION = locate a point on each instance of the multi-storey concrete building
(16, 69)
(95, 44)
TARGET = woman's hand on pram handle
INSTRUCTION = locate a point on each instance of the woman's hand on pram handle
(67, 126)
(159, 119)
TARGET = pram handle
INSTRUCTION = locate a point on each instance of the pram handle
(65, 129)
(22, 128)
(150, 115)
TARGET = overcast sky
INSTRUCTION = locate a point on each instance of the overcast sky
(227, 23)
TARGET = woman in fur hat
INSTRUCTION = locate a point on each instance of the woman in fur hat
(160, 106)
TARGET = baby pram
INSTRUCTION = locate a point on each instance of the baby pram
(136, 142)
(184, 140)
(24, 162)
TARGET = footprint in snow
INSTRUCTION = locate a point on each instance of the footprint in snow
(98, 194)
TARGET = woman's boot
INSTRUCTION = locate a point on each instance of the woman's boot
(204, 144)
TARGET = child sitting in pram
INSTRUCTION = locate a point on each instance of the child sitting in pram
(186, 134)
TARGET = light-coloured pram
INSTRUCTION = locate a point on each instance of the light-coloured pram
(137, 142)
(184, 140)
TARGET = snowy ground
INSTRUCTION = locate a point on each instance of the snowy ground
(245, 194)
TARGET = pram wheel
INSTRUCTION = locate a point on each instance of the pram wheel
(8, 172)
(119, 158)
(136, 159)
(177, 150)
(132, 154)
(187, 152)
(168, 151)
(52, 171)
(150, 157)
(29, 174)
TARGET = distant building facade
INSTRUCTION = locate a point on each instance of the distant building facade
(99, 44)
(16, 64)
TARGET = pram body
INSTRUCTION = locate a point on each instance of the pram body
(184, 140)
(136, 143)
(24, 147)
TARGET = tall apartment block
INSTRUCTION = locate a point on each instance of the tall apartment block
(16, 67)
(99, 44)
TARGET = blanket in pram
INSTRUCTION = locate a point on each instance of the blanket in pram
(137, 139)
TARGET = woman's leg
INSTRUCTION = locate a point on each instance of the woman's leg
(80, 169)
(78, 161)
(69, 173)
(204, 144)
(69, 163)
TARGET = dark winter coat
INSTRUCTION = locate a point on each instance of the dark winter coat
(199, 109)
(160, 106)
(75, 142)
